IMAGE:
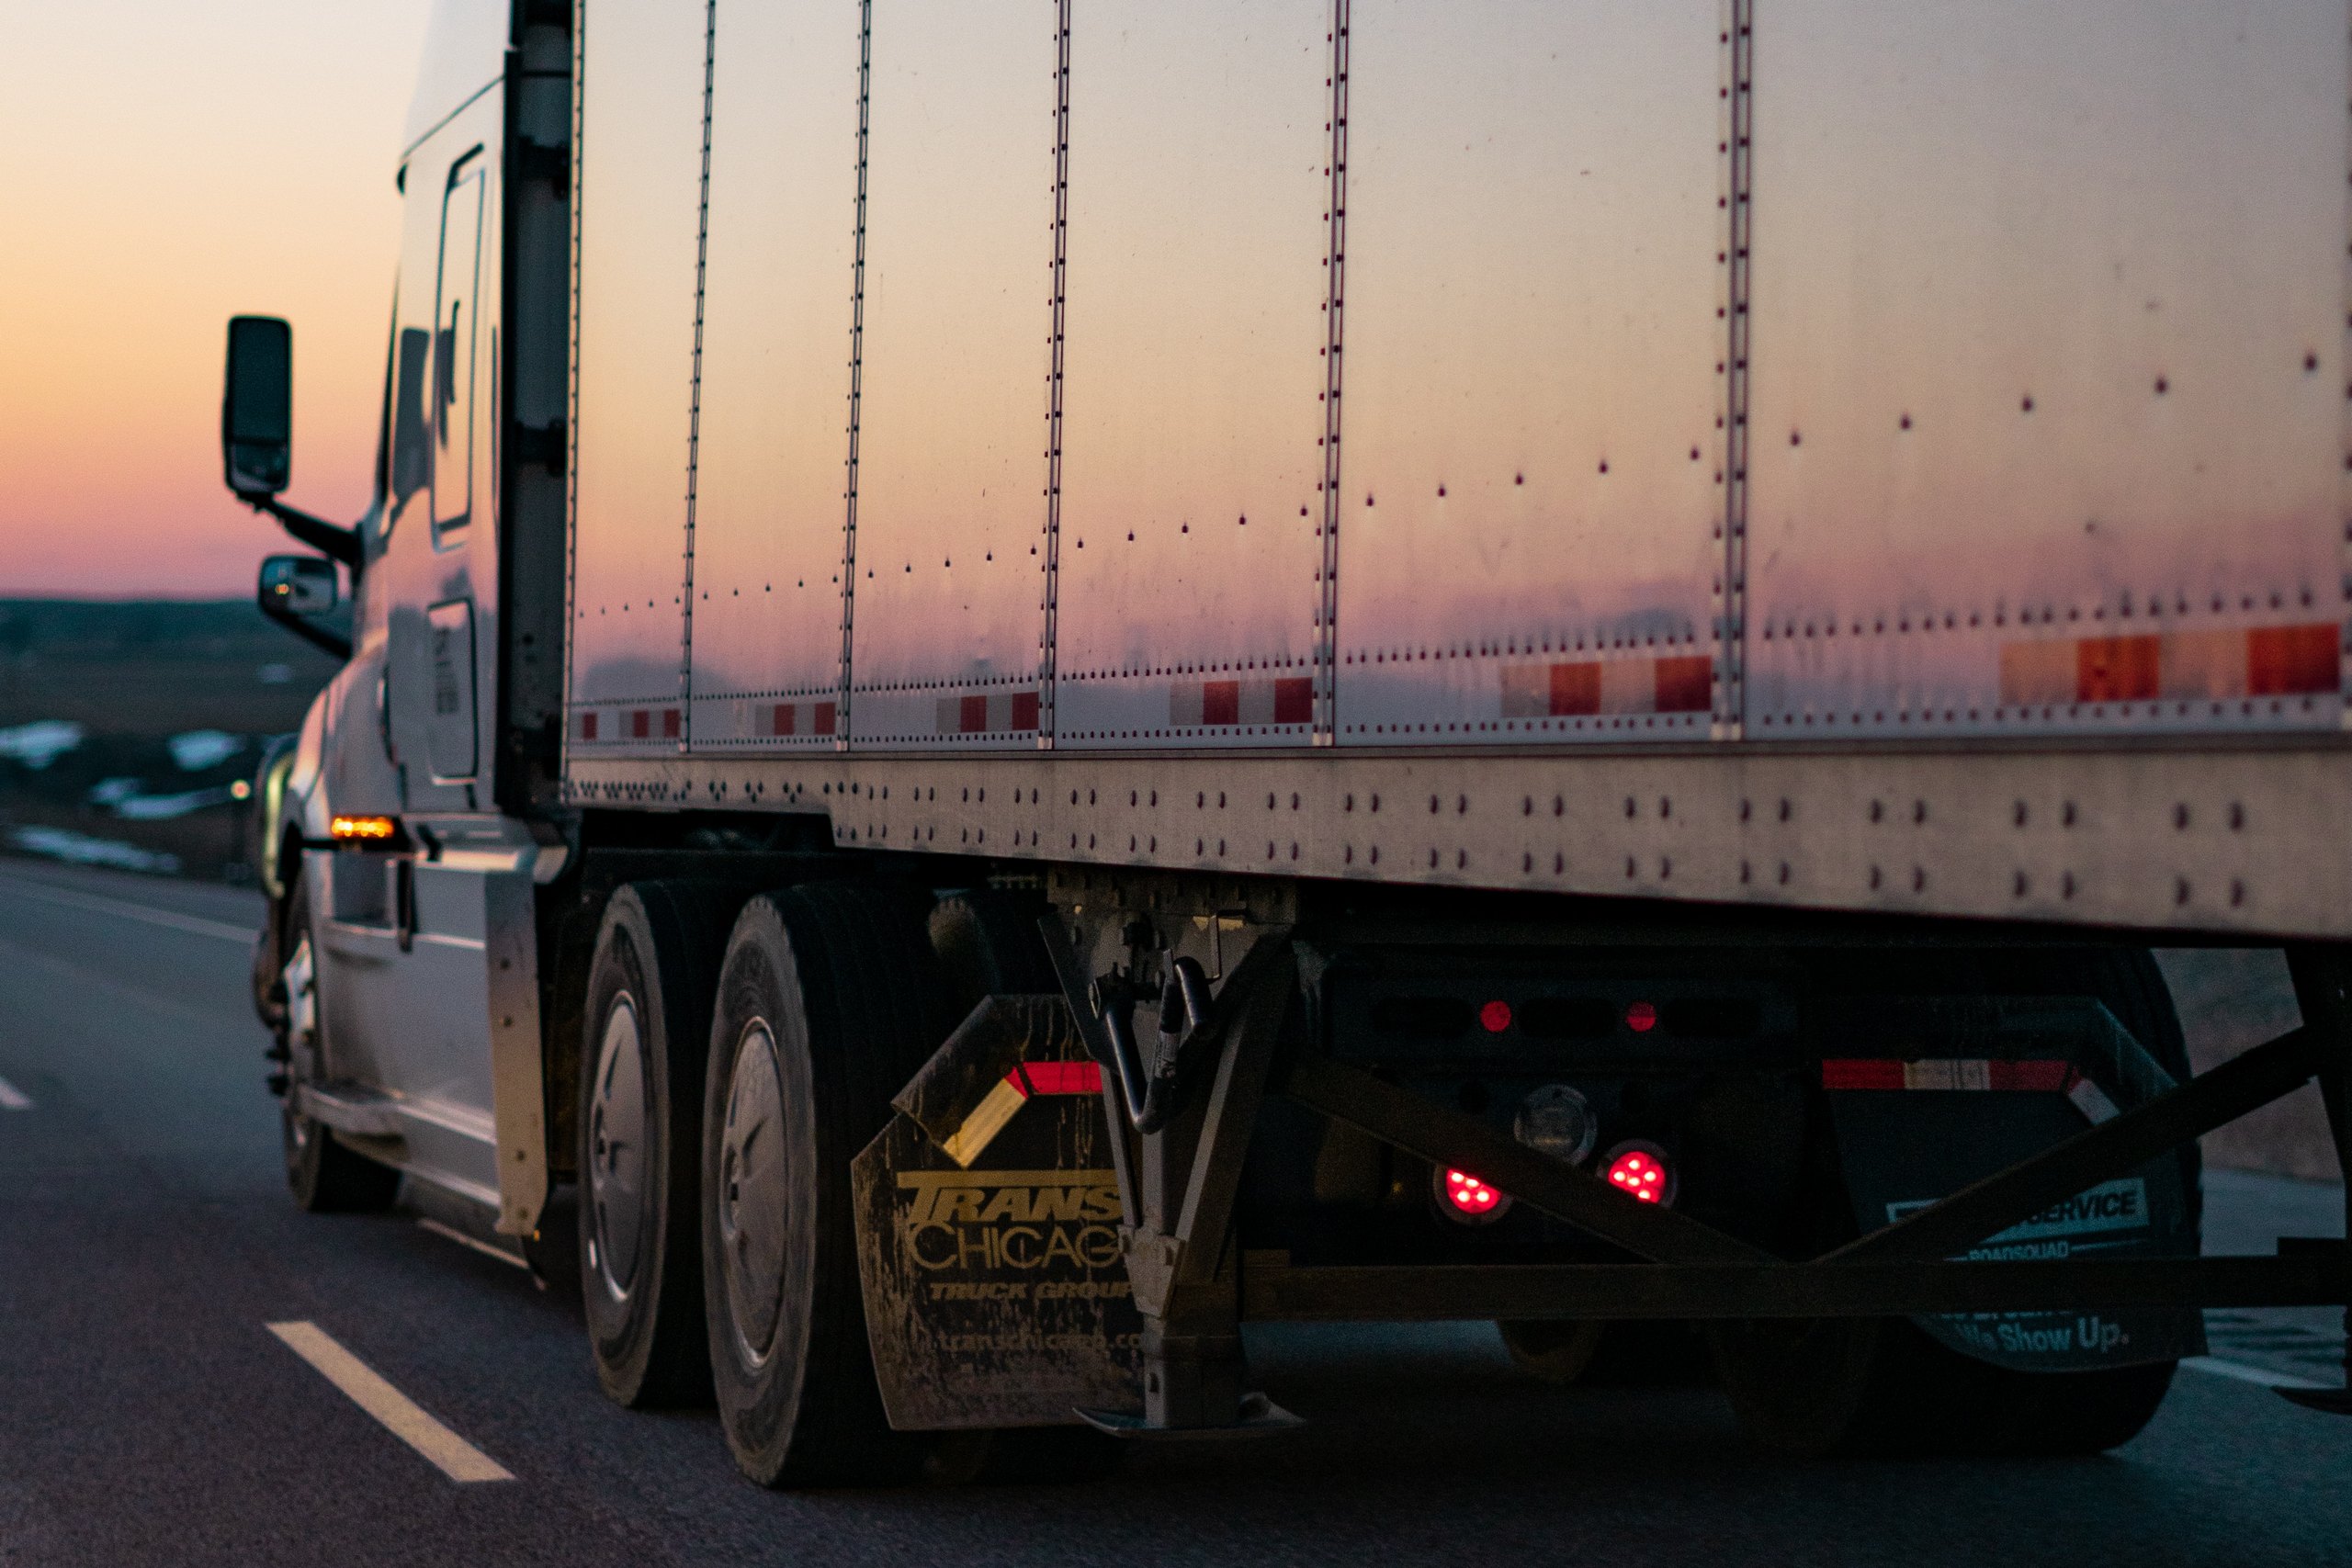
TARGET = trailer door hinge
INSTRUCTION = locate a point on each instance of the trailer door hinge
(537, 160)
(542, 445)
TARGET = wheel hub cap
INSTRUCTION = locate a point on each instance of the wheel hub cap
(753, 1192)
(617, 1149)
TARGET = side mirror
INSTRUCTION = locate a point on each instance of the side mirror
(294, 591)
(257, 407)
(298, 585)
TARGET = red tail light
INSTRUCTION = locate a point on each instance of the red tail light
(1469, 1200)
(1642, 1171)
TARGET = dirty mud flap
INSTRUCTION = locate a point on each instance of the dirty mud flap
(1911, 1131)
(988, 1216)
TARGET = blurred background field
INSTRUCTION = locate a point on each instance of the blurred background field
(2231, 999)
(128, 729)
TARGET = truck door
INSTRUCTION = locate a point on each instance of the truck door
(407, 978)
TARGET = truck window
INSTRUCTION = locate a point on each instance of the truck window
(412, 437)
(454, 337)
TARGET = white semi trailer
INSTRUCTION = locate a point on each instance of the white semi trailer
(1030, 680)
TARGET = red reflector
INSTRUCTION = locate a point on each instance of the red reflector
(1848, 1073)
(1641, 1017)
(2048, 1077)
(1641, 1173)
(1495, 1017)
(1469, 1194)
(1058, 1077)
(2040, 1075)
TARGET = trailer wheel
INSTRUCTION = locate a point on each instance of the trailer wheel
(1884, 1387)
(1553, 1352)
(1634, 1353)
(647, 1031)
(830, 1000)
(325, 1175)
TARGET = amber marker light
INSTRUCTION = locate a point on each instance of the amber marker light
(361, 830)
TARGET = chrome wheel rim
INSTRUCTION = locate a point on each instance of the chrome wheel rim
(752, 1194)
(616, 1150)
(300, 977)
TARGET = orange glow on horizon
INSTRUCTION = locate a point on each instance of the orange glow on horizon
(169, 166)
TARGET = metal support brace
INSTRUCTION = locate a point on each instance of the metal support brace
(2025, 1188)
(1179, 1238)
(2322, 978)
(1071, 973)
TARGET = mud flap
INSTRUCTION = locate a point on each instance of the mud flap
(1952, 1093)
(988, 1216)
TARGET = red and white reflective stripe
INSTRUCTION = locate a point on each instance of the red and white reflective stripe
(2267, 661)
(788, 719)
(629, 724)
(1219, 704)
(2040, 1077)
(987, 713)
(1948, 1073)
(1593, 687)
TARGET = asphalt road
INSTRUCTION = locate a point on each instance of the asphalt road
(148, 1414)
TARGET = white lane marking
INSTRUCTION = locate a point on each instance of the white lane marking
(456, 1458)
(462, 1239)
(2244, 1373)
(14, 1099)
(170, 919)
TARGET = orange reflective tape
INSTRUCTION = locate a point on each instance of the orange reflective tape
(2284, 662)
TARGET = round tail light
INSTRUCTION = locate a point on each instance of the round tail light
(1468, 1199)
(1642, 1171)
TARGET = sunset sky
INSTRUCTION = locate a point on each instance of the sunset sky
(168, 165)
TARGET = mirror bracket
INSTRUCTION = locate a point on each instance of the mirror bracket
(329, 539)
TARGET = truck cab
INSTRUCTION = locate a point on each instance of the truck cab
(396, 823)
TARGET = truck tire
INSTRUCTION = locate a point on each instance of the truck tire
(325, 1175)
(645, 1033)
(1557, 1353)
(986, 943)
(1884, 1387)
(1636, 1353)
(830, 1000)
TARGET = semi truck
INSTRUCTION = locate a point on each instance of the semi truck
(1029, 680)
